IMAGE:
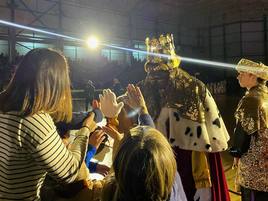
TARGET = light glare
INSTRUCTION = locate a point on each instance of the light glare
(92, 42)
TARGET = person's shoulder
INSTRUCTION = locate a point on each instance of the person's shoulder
(40, 117)
(40, 123)
(248, 107)
(251, 100)
(200, 85)
(183, 76)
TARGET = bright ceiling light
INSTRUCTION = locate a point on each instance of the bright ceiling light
(92, 42)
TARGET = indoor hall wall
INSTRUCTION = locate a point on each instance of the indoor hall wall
(110, 26)
(81, 21)
(192, 42)
(234, 28)
(84, 20)
(230, 42)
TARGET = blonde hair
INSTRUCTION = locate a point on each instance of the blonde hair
(40, 83)
(144, 166)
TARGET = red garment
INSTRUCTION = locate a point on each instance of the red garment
(219, 189)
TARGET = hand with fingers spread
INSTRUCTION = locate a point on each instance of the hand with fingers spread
(109, 106)
(113, 133)
(96, 138)
(135, 99)
(90, 123)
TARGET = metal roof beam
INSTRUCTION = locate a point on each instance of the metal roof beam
(37, 17)
(32, 12)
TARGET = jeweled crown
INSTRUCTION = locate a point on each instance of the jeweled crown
(161, 51)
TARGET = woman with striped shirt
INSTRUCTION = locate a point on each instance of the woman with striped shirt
(30, 146)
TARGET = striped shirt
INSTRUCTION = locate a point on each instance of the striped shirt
(30, 148)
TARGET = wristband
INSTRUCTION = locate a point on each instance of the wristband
(87, 128)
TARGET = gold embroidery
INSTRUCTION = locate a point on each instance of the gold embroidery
(251, 113)
(247, 122)
(175, 89)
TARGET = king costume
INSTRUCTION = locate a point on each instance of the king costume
(186, 113)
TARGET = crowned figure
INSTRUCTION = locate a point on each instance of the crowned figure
(185, 112)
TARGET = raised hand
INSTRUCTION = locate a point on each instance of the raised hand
(90, 123)
(135, 98)
(108, 104)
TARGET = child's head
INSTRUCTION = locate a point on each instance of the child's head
(144, 166)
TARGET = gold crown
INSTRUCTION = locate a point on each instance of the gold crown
(258, 69)
(162, 52)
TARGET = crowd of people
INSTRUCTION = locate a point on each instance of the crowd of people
(167, 132)
(80, 71)
(99, 72)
